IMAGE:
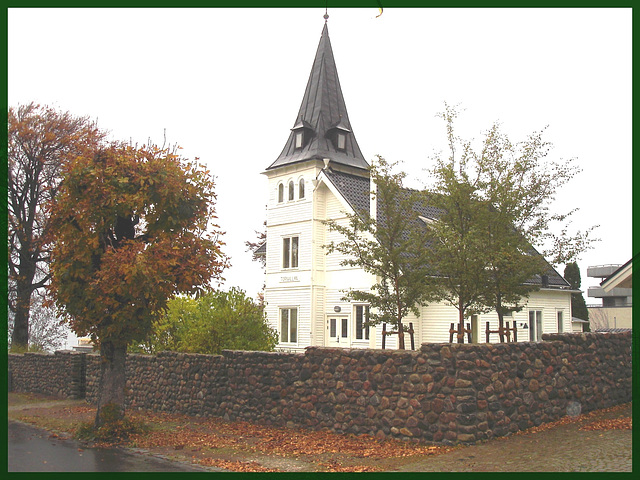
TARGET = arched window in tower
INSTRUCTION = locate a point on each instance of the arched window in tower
(280, 192)
(291, 190)
(301, 188)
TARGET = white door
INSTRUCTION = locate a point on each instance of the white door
(338, 331)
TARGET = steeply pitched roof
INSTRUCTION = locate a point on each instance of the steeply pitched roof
(354, 188)
(356, 191)
(622, 277)
(322, 114)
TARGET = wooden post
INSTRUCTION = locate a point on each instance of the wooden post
(487, 331)
(508, 332)
(451, 332)
(515, 332)
(469, 332)
(384, 334)
(413, 345)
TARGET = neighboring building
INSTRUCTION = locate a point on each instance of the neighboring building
(577, 324)
(84, 345)
(616, 293)
(321, 174)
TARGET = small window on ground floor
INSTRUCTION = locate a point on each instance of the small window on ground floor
(288, 325)
(560, 321)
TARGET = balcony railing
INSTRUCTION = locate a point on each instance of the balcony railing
(601, 271)
(598, 292)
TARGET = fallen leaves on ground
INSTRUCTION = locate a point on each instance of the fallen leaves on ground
(336, 467)
(214, 438)
(623, 423)
(619, 423)
(286, 441)
(235, 466)
(217, 433)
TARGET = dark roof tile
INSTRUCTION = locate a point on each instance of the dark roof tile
(322, 109)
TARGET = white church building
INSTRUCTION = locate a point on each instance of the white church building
(321, 174)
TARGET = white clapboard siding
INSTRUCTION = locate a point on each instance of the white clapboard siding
(291, 297)
(436, 318)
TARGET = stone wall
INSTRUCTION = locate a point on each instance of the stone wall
(61, 374)
(443, 393)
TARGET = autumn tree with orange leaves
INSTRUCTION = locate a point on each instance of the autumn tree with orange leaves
(41, 140)
(131, 230)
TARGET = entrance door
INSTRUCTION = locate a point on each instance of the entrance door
(338, 331)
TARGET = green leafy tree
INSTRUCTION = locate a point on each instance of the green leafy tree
(509, 191)
(389, 245)
(578, 305)
(40, 142)
(131, 230)
(456, 243)
(211, 323)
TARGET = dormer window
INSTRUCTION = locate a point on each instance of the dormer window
(338, 136)
(302, 133)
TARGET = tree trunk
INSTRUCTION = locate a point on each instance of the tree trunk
(500, 318)
(400, 336)
(111, 392)
(20, 335)
(460, 322)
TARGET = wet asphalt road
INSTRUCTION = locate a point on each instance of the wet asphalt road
(35, 450)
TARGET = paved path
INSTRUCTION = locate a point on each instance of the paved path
(34, 450)
(564, 448)
(561, 448)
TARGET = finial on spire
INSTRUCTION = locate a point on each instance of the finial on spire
(325, 16)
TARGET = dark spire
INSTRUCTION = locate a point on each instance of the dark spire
(322, 128)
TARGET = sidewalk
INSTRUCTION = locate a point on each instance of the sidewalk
(595, 442)
(569, 447)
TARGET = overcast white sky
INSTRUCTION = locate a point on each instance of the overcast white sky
(226, 85)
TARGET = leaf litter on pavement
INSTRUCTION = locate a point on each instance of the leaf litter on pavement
(229, 445)
(193, 435)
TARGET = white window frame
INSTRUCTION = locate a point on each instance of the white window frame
(299, 139)
(560, 320)
(341, 143)
(290, 255)
(536, 326)
(291, 317)
(280, 192)
(365, 332)
(291, 191)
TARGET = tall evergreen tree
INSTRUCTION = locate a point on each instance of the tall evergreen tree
(578, 305)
